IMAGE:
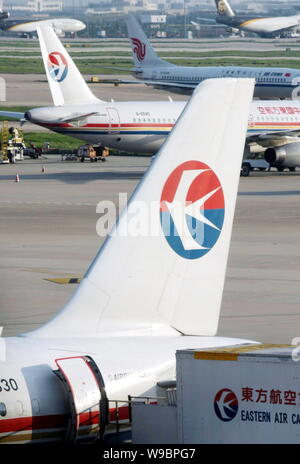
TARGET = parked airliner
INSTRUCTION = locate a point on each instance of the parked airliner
(151, 69)
(142, 127)
(283, 26)
(144, 295)
(29, 27)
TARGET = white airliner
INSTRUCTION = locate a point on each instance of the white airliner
(284, 26)
(142, 127)
(148, 67)
(144, 295)
(60, 25)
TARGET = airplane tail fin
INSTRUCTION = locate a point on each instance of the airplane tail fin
(224, 8)
(66, 83)
(163, 265)
(142, 50)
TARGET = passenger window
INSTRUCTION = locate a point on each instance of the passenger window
(3, 410)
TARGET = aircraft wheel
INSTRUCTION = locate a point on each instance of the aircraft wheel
(245, 170)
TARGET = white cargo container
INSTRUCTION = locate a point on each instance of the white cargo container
(239, 395)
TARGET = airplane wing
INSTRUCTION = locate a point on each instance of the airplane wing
(77, 117)
(269, 136)
(12, 114)
(70, 118)
(273, 139)
(283, 28)
(170, 84)
(149, 82)
(207, 20)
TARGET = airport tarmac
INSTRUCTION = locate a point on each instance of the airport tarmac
(48, 230)
(174, 45)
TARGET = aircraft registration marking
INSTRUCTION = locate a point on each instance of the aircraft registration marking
(8, 385)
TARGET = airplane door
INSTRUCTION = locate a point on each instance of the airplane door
(87, 398)
(114, 121)
(154, 75)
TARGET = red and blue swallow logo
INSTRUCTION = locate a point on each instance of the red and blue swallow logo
(226, 405)
(57, 66)
(192, 209)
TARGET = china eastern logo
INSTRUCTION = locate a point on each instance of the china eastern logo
(57, 66)
(226, 405)
(192, 209)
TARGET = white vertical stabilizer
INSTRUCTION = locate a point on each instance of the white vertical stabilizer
(142, 51)
(67, 85)
(158, 280)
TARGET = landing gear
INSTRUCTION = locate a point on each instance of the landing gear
(245, 171)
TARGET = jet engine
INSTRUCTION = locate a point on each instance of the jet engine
(286, 156)
(4, 15)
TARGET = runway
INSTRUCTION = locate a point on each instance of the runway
(48, 229)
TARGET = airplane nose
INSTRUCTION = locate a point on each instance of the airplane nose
(81, 25)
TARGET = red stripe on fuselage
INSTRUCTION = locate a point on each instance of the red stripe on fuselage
(31, 423)
(57, 421)
(106, 125)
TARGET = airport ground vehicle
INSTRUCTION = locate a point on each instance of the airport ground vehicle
(249, 165)
(12, 144)
(93, 153)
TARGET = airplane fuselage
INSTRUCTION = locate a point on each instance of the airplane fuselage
(270, 82)
(143, 127)
(129, 126)
(58, 24)
(266, 27)
(34, 405)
